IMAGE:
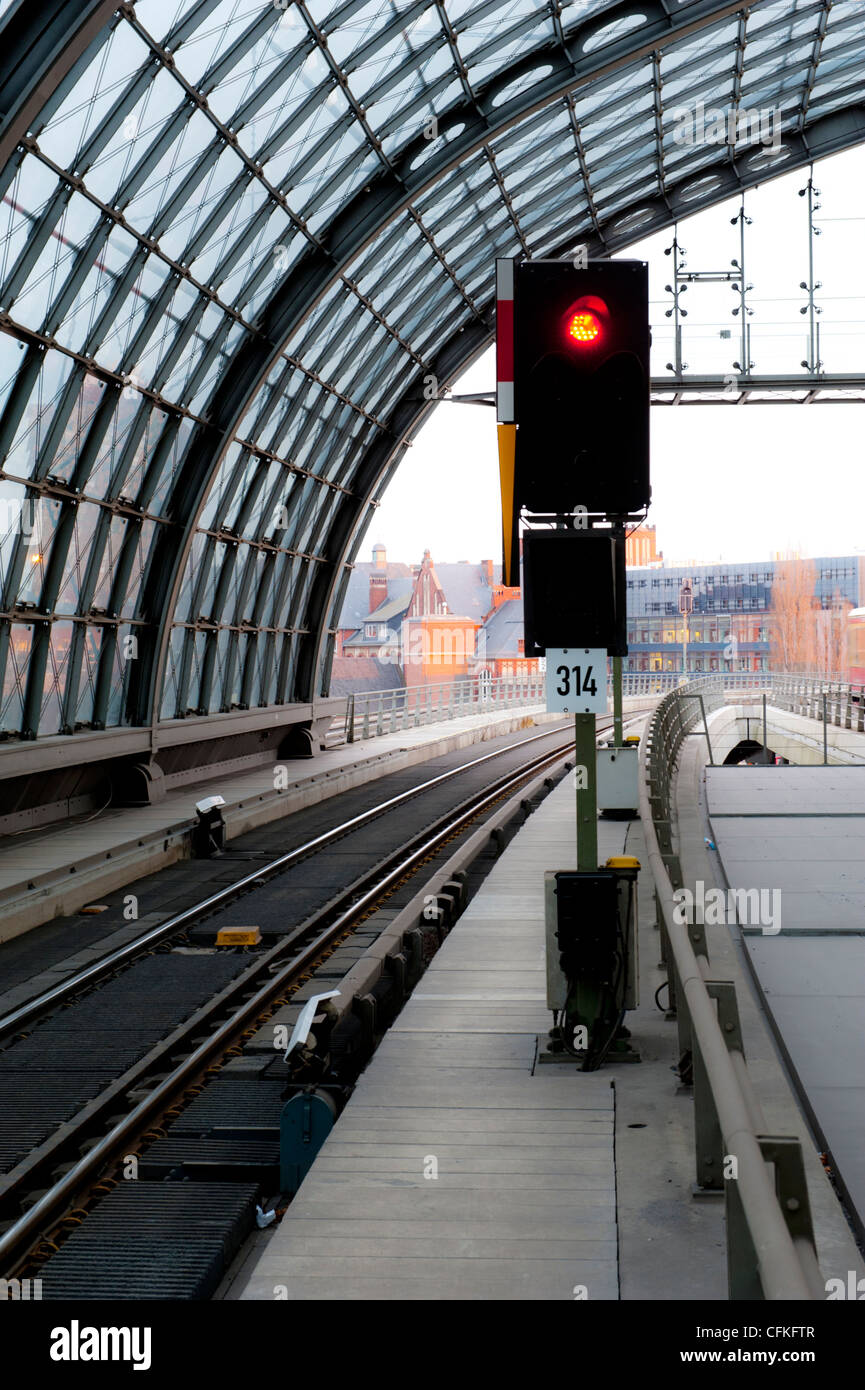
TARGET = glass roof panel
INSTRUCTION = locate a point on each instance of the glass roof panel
(236, 223)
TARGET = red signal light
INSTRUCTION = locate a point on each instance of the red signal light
(584, 327)
(585, 322)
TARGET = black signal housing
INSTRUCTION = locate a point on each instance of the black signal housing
(581, 387)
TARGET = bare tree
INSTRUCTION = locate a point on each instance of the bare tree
(793, 642)
(832, 635)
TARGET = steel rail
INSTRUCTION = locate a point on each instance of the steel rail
(261, 962)
(28, 1012)
(783, 1272)
(51, 1205)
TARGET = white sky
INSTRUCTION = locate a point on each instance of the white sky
(727, 483)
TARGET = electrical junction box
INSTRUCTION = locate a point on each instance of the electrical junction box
(580, 908)
(618, 788)
(607, 903)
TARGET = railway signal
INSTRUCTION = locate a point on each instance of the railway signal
(574, 591)
(572, 403)
(572, 391)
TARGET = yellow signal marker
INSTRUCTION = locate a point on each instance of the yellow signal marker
(239, 936)
(507, 436)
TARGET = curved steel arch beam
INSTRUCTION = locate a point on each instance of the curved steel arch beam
(43, 59)
(466, 344)
(389, 194)
(40, 46)
(718, 181)
(831, 135)
(713, 183)
(356, 226)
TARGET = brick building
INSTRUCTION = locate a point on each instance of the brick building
(435, 622)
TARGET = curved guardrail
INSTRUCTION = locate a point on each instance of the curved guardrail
(807, 693)
(373, 712)
(825, 698)
(770, 1237)
(370, 713)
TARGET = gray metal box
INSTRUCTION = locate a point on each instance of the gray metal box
(617, 779)
(557, 985)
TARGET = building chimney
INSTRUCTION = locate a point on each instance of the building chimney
(377, 590)
(379, 556)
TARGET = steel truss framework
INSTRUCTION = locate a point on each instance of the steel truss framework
(236, 240)
(796, 388)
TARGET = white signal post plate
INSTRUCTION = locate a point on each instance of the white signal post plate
(577, 680)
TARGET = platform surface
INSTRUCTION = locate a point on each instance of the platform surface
(800, 830)
(800, 833)
(459, 1169)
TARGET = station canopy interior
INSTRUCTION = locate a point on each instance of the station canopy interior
(235, 239)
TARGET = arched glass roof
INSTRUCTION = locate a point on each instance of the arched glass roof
(236, 241)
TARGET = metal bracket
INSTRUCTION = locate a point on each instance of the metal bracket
(743, 1276)
(707, 1130)
(697, 937)
(785, 1153)
(724, 991)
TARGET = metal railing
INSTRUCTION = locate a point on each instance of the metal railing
(646, 682)
(800, 693)
(371, 713)
(821, 697)
(661, 682)
(652, 682)
(770, 1237)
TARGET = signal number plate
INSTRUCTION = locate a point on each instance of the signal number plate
(576, 680)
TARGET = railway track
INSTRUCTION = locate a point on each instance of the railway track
(27, 1014)
(200, 1005)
